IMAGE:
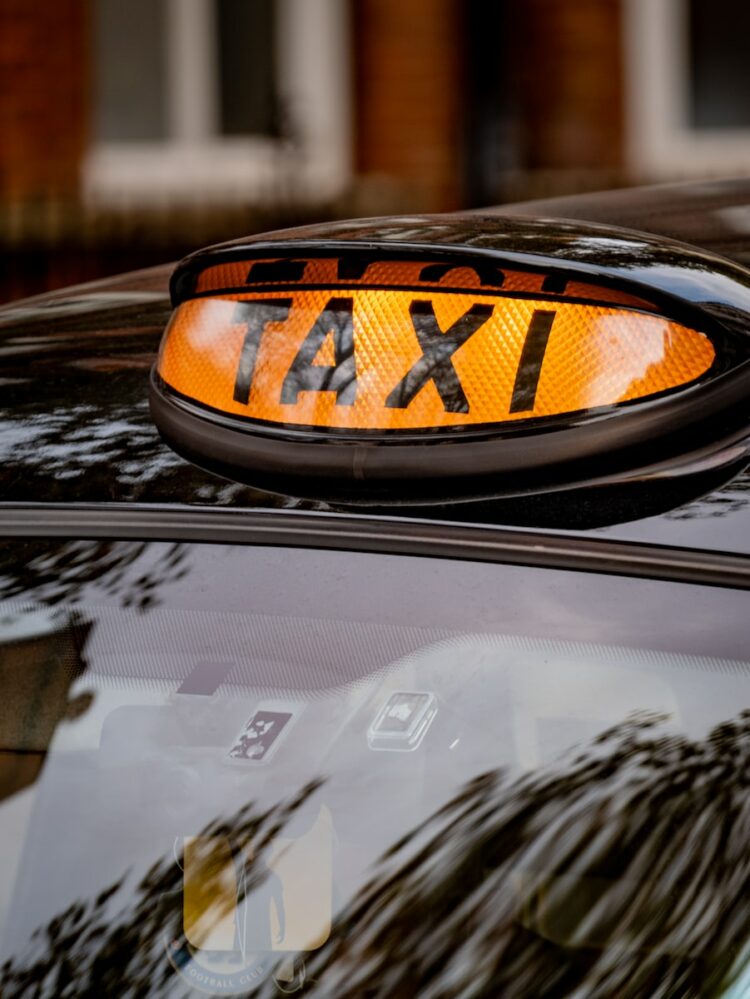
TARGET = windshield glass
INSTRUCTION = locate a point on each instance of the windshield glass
(245, 770)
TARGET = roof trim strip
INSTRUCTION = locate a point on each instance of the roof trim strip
(384, 535)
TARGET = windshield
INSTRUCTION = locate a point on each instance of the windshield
(238, 770)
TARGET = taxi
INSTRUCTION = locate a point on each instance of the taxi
(373, 615)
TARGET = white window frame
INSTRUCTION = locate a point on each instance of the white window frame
(659, 139)
(314, 86)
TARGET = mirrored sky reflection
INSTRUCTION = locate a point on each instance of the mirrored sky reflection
(568, 820)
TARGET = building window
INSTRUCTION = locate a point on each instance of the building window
(688, 86)
(248, 95)
(129, 106)
(225, 99)
(719, 77)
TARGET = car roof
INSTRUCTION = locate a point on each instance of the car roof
(77, 427)
(713, 215)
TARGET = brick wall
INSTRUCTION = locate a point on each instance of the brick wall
(43, 101)
(570, 75)
(407, 56)
(416, 89)
(554, 73)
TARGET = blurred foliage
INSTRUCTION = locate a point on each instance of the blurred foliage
(622, 872)
(55, 572)
(624, 875)
(93, 950)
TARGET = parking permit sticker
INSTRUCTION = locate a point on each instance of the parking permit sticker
(261, 735)
(247, 916)
(402, 722)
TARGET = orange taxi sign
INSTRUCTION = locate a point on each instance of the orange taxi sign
(411, 346)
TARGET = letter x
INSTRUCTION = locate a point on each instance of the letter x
(435, 364)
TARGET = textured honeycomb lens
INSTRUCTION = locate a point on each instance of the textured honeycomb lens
(412, 346)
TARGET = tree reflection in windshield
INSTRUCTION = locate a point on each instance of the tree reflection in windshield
(52, 572)
(623, 871)
(98, 948)
(624, 875)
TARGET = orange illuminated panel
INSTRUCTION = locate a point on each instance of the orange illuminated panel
(364, 358)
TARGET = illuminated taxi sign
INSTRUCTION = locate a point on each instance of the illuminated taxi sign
(375, 370)
(339, 345)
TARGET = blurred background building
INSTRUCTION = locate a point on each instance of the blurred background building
(132, 131)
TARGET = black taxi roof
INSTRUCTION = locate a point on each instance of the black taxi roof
(77, 428)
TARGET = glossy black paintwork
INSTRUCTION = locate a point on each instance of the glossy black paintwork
(75, 422)
(714, 215)
(74, 369)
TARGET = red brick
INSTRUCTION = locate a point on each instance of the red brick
(43, 97)
(409, 70)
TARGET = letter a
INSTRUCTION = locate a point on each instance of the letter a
(340, 377)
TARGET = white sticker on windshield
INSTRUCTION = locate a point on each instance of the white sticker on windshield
(403, 721)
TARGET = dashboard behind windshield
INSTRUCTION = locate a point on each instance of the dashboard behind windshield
(239, 770)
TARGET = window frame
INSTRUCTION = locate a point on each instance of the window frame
(313, 80)
(660, 141)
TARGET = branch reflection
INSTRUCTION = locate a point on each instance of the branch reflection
(621, 872)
